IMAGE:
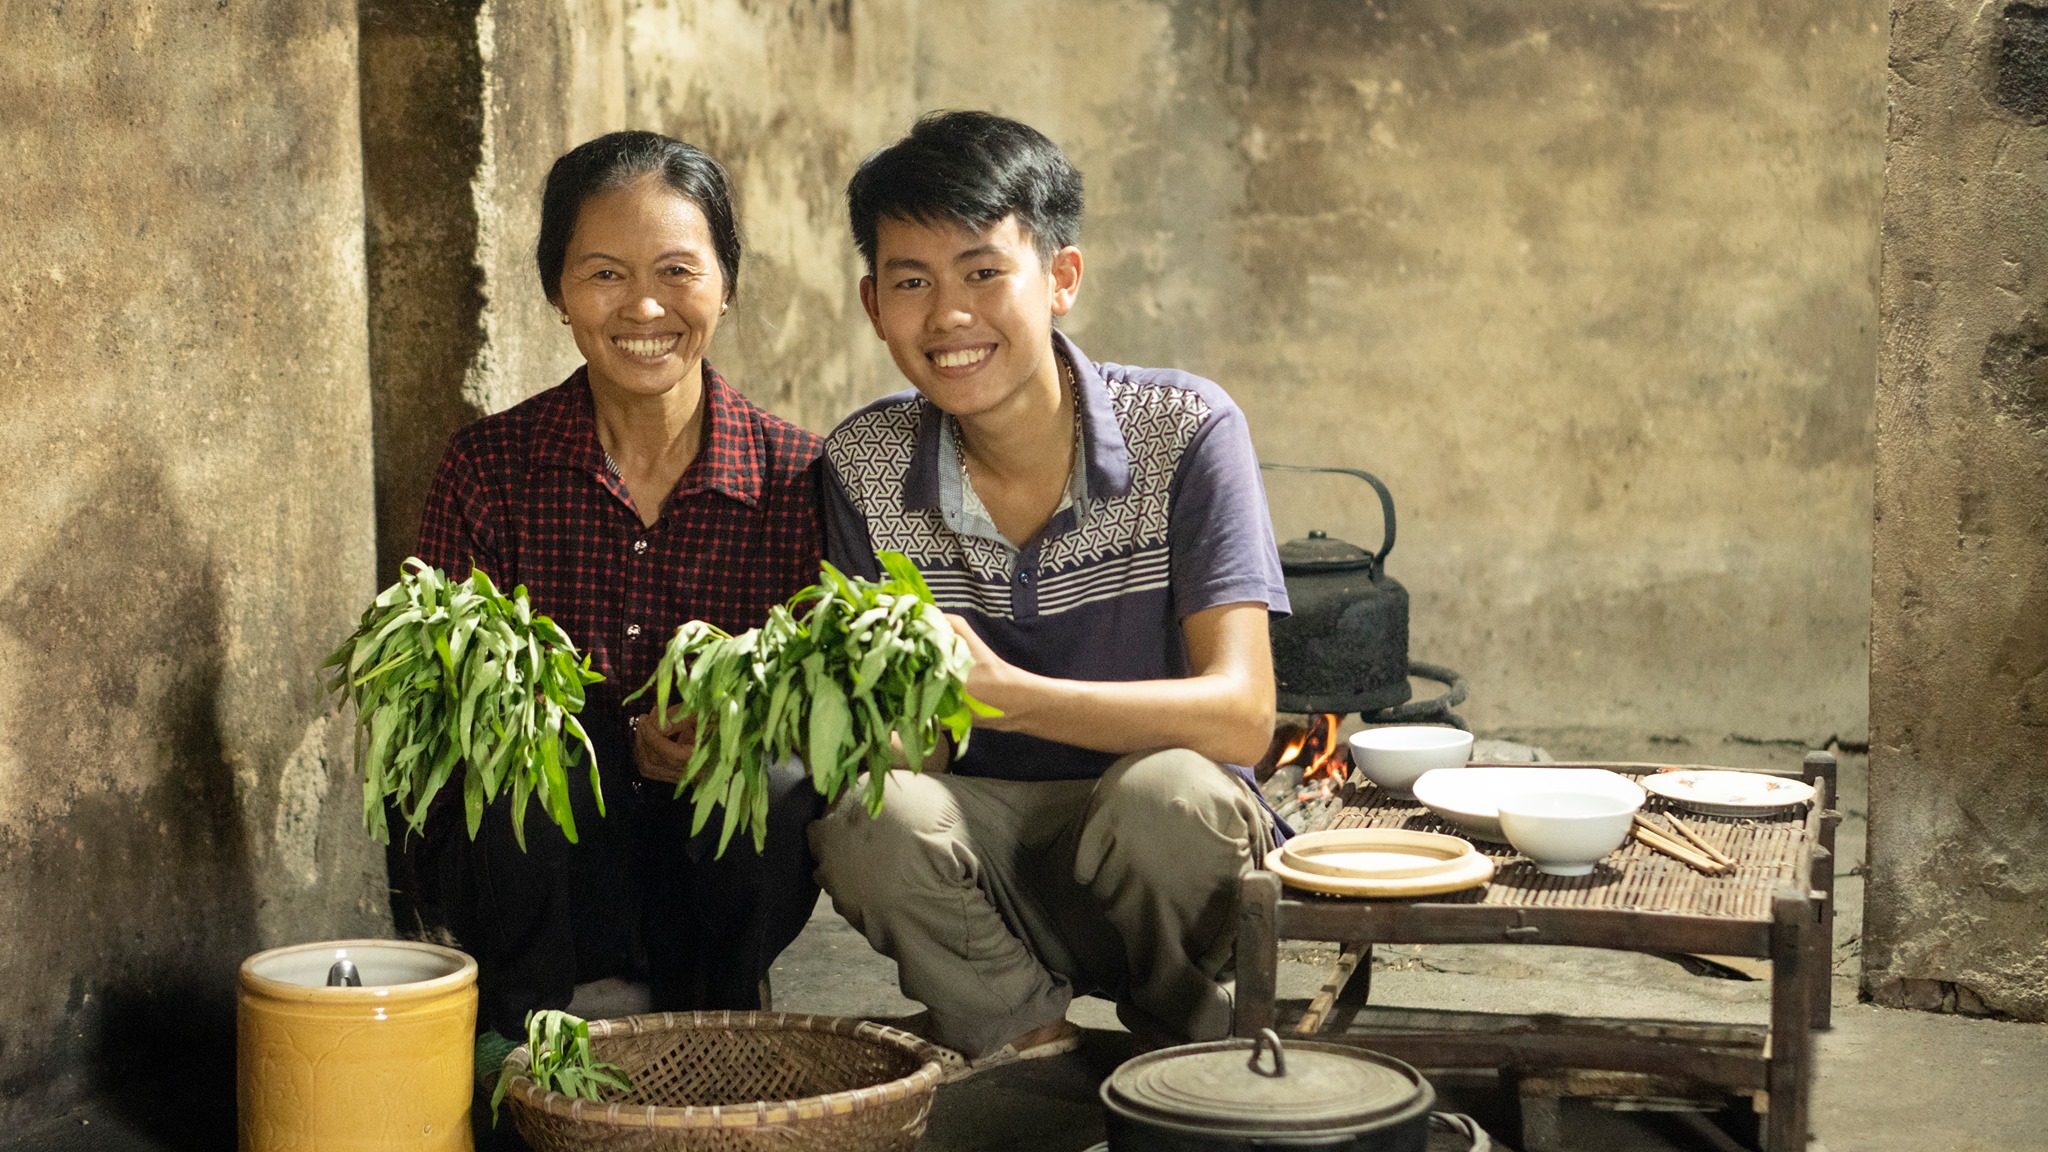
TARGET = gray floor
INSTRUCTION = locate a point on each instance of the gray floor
(1887, 1081)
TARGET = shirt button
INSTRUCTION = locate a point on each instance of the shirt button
(1023, 576)
(639, 545)
(632, 630)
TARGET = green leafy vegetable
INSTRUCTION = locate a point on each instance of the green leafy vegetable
(445, 673)
(558, 1059)
(832, 676)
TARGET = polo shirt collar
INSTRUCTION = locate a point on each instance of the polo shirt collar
(1106, 458)
(730, 461)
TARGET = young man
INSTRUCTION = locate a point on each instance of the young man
(1100, 534)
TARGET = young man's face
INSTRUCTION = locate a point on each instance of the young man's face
(968, 315)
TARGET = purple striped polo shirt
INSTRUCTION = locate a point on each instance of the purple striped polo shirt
(1165, 516)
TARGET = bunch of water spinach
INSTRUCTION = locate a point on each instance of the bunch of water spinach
(558, 1059)
(848, 675)
(452, 673)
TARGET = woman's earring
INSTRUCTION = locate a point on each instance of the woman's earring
(722, 308)
(565, 317)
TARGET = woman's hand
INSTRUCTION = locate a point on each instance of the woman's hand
(662, 753)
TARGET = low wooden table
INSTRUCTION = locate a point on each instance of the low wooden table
(1777, 903)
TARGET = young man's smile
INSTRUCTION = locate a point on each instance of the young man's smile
(956, 363)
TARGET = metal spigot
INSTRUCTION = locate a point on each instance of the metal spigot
(344, 974)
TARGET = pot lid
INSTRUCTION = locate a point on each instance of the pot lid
(1320, 552)
(1259, 1086)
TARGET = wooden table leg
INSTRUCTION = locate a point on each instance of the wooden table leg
(1356, 991)
(1344, 990)
(1791, 1063)
(1819, 767)
(1258, 952)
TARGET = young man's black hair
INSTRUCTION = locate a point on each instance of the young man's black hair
(974, 169)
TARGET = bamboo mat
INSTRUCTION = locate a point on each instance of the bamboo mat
(1633, 878)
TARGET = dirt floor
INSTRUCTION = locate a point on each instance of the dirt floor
(1887, 1081)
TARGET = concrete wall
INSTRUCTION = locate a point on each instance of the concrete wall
(1591, 286)
(185, 457)
(1957, 907)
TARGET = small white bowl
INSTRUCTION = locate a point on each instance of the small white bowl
(1465, 797)
(1396, 756)
(1566, 833)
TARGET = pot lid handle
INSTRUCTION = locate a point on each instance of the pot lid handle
(1386, 500)
(1268, 1039)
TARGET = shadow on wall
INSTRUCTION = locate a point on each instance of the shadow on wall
(125, 875)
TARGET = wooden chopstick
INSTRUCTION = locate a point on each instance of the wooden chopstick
(1649, 834)
(1610, 765)
(1713, 852)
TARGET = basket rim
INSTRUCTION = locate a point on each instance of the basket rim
(521, 1090)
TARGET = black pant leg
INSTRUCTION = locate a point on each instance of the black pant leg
(543, 919)
(713, 927)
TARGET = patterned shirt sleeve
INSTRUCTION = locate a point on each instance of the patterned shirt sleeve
(1220, 531)
(847, 544)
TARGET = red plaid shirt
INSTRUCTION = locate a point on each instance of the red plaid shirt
(526, 496)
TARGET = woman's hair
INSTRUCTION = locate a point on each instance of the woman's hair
(973, 169)
(615, 160)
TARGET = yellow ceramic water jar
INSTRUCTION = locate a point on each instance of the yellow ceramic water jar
(383, 1066)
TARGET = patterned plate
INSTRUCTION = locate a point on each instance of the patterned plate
(1729, 793)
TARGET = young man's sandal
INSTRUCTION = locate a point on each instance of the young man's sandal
(1055, 1039)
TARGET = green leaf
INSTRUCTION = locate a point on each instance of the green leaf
(830, 726)
(451, 677)
(906, 573)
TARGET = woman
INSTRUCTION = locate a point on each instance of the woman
(640, 493)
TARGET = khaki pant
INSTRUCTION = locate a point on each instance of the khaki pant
(1000, 900)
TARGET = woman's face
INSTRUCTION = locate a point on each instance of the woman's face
(642, 288)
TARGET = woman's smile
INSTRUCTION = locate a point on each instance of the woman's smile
(650, 349)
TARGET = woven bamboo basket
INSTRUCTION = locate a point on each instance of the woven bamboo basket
(739, 1082)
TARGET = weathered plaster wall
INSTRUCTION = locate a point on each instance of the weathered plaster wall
(1589, 285)
(796, 340)
(1957, 905)
(465, 104)
(185, 457)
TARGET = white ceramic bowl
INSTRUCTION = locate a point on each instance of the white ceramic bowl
(1465, 796)
(1396, 756)
(1566, 833)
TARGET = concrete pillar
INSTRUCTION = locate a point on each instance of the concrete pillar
(1957, 906)
(188, 533)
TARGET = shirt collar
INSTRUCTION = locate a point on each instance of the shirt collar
(1107, 458)
(730, 461)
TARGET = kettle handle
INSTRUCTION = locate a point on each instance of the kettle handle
(1386, 501)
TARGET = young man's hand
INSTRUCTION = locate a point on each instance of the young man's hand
(993, 680)
(1223, 710)
(662, 753)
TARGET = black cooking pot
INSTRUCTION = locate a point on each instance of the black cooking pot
(1233, 1095)
(1344, 647)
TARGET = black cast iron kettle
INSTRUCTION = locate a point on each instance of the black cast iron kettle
(1344, 647)
(1236, 1095)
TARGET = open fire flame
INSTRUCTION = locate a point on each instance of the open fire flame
(1318, 747)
